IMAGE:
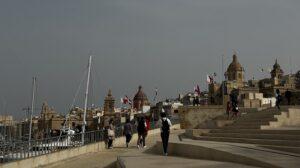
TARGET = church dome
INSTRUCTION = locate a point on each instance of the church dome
(140, 99)
(235, 65)
(140, 95)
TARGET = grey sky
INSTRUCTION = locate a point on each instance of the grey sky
(169, 44)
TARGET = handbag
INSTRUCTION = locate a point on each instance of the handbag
(111, 133)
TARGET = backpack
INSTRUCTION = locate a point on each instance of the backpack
(141, 127)
(165, 125)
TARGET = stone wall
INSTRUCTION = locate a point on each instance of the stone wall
(193, 116)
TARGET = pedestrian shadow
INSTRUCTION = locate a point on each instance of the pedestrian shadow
(152, 150)
(112, 165)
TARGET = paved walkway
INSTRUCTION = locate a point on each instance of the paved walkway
(133, 157)
(155, 161)
(102, 159)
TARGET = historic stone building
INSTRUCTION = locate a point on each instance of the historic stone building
(50, 122)
(235, 73)
(235, 81)
(75, 119)
(140, 99)
(109, 111)
(281, 82)
(109, 104)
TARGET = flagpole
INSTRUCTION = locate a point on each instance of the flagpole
(222, 79)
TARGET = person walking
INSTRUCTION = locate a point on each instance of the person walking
(128, 132)
(234, 103)
(141, 128)
(288, 96)
(278, 98)
(165, 125)
(228, 110)
(111, 134)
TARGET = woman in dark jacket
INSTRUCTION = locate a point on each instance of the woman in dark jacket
(128, 131)
(141, 128)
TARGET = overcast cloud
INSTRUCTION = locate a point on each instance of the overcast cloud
(169, 44)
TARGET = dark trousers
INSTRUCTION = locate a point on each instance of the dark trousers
(110, 142)
(141, 139)
(278, 104)
(128, 138)
(165, 140)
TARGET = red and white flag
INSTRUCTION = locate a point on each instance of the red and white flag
(197, 90)
(126, 100)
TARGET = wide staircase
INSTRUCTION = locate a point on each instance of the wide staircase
(247, 129)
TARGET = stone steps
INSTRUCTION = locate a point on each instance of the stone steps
(245, 118)
(250, 120)
(257, 123)
(252, 141)
(242, 127)
(263, 112)
(256, 136)
(248, 116)
(257, 131)
(283, 148)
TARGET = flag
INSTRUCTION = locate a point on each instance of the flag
(209, 79)
(197, 89)
(156, 93)
(126, 100)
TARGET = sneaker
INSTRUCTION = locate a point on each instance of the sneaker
(138, 146)
(145, 146)
(166, 154)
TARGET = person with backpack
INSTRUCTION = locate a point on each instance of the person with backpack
(165, 125)
(141, 129)
(128, 131)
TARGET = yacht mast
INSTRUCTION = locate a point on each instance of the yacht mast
(32, 107)
(86, 100)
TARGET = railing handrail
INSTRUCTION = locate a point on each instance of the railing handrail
(36, 147)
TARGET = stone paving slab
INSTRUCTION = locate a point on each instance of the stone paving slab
(105, 158)
(156, 161)
(250, 151)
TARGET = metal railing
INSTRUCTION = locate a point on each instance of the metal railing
(13, 151)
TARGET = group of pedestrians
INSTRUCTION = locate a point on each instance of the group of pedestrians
(279, 99)
(232, 109)
(142, 127)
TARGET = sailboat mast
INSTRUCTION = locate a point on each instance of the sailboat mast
(86, 99)
(32, 107)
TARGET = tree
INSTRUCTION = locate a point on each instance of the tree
(298, 80)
